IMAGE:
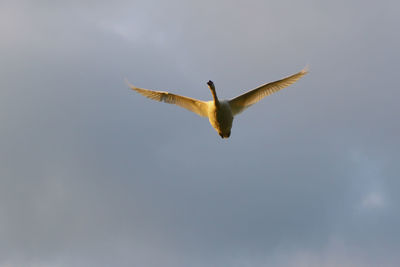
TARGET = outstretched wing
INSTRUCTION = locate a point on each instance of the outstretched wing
(240, 103)
(197, 106)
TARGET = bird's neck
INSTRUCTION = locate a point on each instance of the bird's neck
(214, 94)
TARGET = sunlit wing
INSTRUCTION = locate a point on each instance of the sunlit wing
(240, 103)
(197, 106)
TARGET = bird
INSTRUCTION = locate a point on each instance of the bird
(220, 113)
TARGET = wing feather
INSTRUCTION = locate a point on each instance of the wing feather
(197, 106)
(240, 103)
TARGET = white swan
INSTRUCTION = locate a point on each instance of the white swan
(221, 112)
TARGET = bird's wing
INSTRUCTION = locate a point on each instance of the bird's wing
(240, 103)
(197, 106)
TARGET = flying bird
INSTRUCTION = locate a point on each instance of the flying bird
(220, 113)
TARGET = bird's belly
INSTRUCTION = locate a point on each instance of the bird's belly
(221, 119)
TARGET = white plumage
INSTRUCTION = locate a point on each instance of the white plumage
(221, 112)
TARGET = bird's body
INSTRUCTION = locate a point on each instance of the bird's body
(220, 117)
(221, 112)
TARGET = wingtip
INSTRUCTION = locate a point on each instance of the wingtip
(129, 84)
(306, 69)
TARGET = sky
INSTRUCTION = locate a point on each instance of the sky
(94, 174)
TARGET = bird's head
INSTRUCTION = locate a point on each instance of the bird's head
(210, 83)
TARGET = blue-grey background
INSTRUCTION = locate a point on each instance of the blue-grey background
(93, 174)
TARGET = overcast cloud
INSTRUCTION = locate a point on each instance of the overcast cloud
(93, 174)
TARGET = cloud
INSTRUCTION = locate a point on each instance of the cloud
(373, 200)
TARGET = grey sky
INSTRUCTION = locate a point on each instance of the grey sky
(93, 174)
